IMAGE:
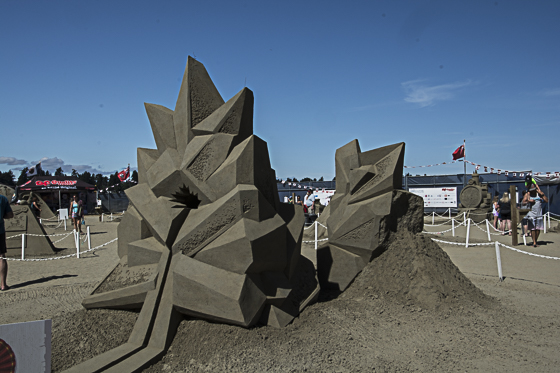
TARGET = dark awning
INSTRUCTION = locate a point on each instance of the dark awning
(45, 183)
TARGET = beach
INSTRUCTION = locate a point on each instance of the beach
(415, 308)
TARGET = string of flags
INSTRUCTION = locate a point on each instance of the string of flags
(519, 174)
(433, 165)
(492, 170)
(305, 187)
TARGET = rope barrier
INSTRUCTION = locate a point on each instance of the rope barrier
(463, 244)
(499, 243)
(36, 235)
(441, 232)
(65, 256)
(313, 241)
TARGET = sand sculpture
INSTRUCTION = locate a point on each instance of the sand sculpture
(475, 200)
(366, 207)
(24, 222)
(205, 234)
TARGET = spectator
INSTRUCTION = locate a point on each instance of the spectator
(5, 213)
(495, 212)
(524, 221)
(309, 202)
(81, 213)
(75, 212)
(535, 198)
(505, 212)
(35, 208)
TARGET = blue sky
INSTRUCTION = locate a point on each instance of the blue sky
(75, 76)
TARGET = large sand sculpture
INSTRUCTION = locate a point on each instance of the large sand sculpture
(205, 234)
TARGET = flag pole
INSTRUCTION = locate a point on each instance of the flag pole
(464, 163)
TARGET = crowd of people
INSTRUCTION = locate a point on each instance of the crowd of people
(533, 222)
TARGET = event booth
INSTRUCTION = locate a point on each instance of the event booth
(56, 191)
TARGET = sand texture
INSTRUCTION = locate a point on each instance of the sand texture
(414, 308)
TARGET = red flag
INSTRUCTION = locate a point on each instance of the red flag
(124, 174)
(459, 152)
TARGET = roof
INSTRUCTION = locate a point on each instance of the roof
(56, 182)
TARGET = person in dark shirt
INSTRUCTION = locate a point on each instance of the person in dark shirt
(505, 213)
(5, 213)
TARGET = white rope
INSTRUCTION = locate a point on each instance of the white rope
(437, 225)
(463, 244)
(499, 243)
(441, 232)
(53, 227)
(426, 214)
(65, 256)
(313, 241)
(63, 238)
(51, 218)
(493, 234)
(321, 224)
(36, 235)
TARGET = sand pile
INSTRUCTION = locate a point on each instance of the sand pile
(414, 270)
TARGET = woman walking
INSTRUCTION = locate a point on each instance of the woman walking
(75, 212)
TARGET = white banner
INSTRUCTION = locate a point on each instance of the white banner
(437, 197)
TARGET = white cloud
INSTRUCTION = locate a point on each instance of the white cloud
(12, 161)
(424, 95)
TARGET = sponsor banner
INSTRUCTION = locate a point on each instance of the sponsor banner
(437, 197)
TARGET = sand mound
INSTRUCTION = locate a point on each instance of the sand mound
(81, 335)
(414, 270)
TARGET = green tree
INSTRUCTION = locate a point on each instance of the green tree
(59, 172)
(22, 179)
(74, 173)
(135, 175)
(305, 179)
(321, 179)
(7, 178)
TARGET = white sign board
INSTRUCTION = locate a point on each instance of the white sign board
(63, 214)
(437, 197)
(29, 344)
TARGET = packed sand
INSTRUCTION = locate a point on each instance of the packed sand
(414, 308)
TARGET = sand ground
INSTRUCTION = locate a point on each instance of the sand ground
(364, 329)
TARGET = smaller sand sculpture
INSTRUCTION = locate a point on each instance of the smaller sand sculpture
(25, 222)
(475, 199)
(366, 207)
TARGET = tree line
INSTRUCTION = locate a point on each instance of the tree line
(101, 181)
